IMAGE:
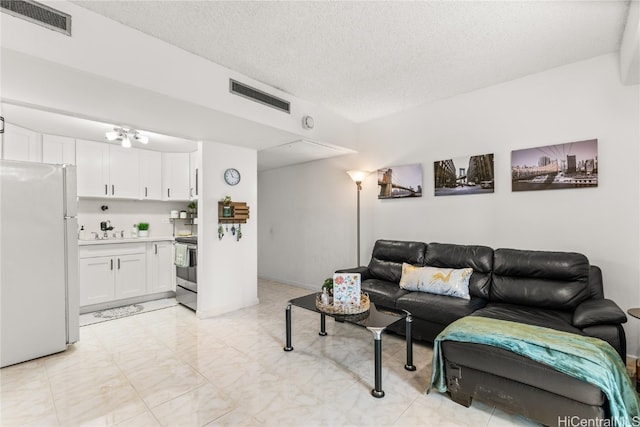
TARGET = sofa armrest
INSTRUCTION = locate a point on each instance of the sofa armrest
(597, 312)
(364, 272)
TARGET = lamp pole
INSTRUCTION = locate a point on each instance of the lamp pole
(359, 185)
(358, 176)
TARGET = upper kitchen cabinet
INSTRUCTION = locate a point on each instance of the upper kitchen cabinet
(175, 176)
(58, 149)
(21, 144)
(107, 170)
(150, 175)
(194, 170)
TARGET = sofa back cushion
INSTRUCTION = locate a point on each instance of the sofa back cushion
(480, 258)
(388, 256)
(554, 280)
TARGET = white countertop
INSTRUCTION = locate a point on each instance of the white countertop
(112, 241)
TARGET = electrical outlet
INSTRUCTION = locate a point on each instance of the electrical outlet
(166, 221)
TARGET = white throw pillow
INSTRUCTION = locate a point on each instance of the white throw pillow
(440, 281)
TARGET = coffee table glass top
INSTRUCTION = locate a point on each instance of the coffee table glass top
(373, 318)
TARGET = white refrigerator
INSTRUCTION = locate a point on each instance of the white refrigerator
(39, 291)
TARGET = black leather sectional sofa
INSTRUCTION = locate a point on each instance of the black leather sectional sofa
(558, 290)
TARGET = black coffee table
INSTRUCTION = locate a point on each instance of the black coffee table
(374, 320)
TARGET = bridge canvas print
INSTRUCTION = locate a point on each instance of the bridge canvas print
(400, 181)
(553, 167)
(464, 175)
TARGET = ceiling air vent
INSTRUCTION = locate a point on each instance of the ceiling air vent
(259, 96)
(38, 14)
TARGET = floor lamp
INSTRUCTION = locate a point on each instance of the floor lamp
(357, 177)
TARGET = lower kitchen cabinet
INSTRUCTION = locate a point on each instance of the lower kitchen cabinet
(111, 272)
(163, 271)
(130, 276)
(97, 280)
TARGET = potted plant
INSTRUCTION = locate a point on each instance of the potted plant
(193, 209)
(328, 285)
(227, 209)
(143, 229)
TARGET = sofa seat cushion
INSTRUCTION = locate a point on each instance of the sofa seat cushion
(554, 319)
(438, 308)
(506, 364)
(382, 293)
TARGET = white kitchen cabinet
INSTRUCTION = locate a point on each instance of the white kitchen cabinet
(19, 143)
(58, 149)
(96, 280)
(124, 178)
(92, 159)
(130, 276)
(175, 176)
(112, 272)
(107, 170)
(150, 175)
(163, 271)
(194, 169)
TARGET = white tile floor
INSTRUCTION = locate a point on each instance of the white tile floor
(167, 367)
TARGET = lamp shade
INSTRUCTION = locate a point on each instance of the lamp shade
(357, 175)
(112, 136)
(126, 143)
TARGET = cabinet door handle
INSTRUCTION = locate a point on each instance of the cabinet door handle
(106, 189)
(168, 192)
(113, 189)
(146, 192)
(155, 247)
(196, 181)
(118, 263)
(112, 263)
(190, 192)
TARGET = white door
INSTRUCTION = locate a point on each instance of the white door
(175, 176)
(92, 159)
(21, 144)
(150, 175)
(58, 149)
(194, 170)
(130, 275)
(124, 177)
(164, 271)
(96, 277)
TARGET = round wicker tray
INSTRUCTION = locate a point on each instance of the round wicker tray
(330, 309)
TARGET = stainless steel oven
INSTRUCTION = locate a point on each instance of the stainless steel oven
(187, 277)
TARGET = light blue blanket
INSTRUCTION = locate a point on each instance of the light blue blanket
(585, 358)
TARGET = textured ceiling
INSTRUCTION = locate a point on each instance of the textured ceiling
(365, 60)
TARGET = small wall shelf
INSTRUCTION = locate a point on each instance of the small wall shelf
(239, 213)
(191, 220)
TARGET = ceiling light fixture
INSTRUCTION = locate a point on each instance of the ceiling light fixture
(122, 134)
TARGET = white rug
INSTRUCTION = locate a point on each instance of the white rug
(124, 311)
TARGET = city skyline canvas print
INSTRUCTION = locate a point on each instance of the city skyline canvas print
(463, 175)
(400, 181)
(554, 167)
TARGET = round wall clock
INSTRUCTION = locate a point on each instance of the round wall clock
(232, 176)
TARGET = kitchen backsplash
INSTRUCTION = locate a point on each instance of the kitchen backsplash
(124, 213)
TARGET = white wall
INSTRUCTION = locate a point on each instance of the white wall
(124, 213)
(227, 268)
(580, 101)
